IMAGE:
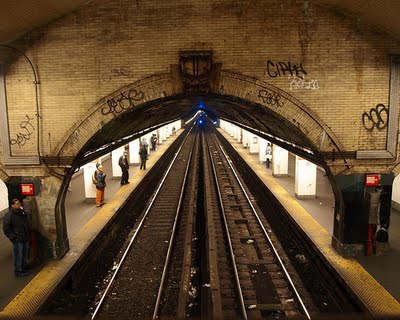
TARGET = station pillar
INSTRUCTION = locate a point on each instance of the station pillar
(358, 217)
(280, 161)
(305, 179)
(90, 187)
(134, 151)
(115, 155)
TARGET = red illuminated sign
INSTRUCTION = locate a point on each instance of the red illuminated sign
(372, 180)
(27, 189)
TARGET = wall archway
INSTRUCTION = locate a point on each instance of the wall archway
(164, 86)
(162, 91)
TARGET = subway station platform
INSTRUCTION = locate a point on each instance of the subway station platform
(374, 278)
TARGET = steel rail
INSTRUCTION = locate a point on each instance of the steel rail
(173, 234)
(154, 196)
(266, 235)
(235, 270)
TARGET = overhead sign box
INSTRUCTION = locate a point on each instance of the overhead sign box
(372, 180)
(27, 189)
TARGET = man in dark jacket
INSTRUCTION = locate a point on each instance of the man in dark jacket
(16, 227)
(153, 141)
(143, 157)
(124, 165)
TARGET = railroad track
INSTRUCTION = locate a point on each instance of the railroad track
(202, 249)
(136, 286)
(232, 270)
(248, 277)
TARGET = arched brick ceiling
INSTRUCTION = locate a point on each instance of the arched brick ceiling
(20, 16)
(153, 113)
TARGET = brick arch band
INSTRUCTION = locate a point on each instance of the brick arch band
(3, 176)
(164, 85)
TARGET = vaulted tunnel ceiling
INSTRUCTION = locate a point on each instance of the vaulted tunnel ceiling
(20, 16)
(154, 113)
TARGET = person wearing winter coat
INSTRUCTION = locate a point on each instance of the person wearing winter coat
(153, 141)
(124, 165)
(143, 157)
(100, 181)
(17, 229)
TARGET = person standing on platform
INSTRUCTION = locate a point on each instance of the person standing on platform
(124, 165)
(153, 141)
(100, 185)
(173, 131)
(16, 227)
(143, 157)
(145, 144)
(268, 153)
(94, 175)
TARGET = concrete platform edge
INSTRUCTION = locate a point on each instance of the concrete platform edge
(378, 301)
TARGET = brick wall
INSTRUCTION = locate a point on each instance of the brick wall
(91, 53)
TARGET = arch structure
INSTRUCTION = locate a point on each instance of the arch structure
(232, 88)
(235, 97)
(253, 104)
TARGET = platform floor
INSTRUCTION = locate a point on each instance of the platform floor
(320, 210)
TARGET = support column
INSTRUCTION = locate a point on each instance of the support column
(229, 129)
(223, 124)
(167, 131)
(4, 204)
(245, 141)
(116, 169)
(240, 134)
(280, 161)
(90, 188)
(235, 132)
(52, 239)
(177, 124)
(161, 136)
(134, 152)
(305, 179)
(351, 221)
(262, 147)
(254, 144)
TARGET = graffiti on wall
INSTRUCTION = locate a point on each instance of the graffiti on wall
(283, 69)
(122, 102)
(117, 73)
(297, 83)
(376, 118)
(24, 135)
(271, 98)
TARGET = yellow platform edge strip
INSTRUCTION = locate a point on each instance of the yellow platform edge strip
(372, 294)
(37, 291)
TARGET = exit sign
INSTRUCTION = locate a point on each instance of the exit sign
(372, 180)
(27, 189)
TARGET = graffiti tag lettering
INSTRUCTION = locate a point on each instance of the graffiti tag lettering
(297, 83)
(25, 134)
(282, 69)
(122, 102)
(376, 118)
(271, 98)
(117, 73)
